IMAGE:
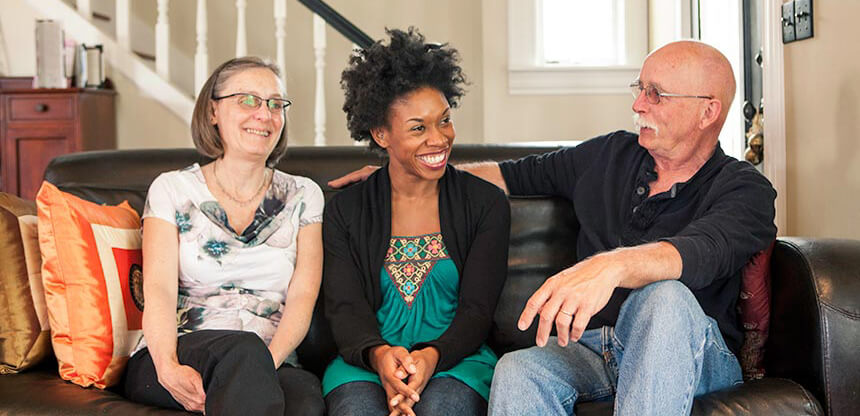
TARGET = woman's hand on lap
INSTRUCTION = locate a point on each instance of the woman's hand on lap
(185, 385)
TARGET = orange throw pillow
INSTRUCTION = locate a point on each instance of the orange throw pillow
(91, 256)
(25, 338)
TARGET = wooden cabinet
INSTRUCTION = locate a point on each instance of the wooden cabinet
(37, 125)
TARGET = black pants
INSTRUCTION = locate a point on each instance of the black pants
(238, 377)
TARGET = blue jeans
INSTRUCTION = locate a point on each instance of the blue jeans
(662, 353)
(442, 396)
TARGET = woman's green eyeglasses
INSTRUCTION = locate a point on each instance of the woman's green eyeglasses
(252, 102)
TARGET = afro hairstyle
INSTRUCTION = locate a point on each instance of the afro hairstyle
(380, 74)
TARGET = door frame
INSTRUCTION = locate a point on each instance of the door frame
(773, 94)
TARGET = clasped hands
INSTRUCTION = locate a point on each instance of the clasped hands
(571, 297)
(403, 375)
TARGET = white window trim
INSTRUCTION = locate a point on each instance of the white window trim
(526, 76)
(571, 81)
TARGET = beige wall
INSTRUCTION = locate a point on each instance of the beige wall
(822, 89)
(454, 21)
(141, 121)
(18, 23)
(477, 28)
(433, 18)
(822, 93)
(518, 118)
(440, 20)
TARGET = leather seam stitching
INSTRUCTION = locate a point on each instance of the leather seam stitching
(822, 319)
(840, 311)
(826, 353)
(807, 397)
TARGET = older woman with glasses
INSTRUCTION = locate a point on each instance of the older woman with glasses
(232, 261)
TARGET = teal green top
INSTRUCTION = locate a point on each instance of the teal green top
(420, 285)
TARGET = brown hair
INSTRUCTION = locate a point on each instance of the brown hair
(206, 137)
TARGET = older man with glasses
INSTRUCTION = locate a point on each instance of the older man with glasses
(646, 317)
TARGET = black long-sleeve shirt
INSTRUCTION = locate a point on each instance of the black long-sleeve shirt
(474, 217)
(716, 220)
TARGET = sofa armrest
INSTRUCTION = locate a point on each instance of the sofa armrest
(815, 319)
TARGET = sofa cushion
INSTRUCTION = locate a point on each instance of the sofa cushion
(40, 392)
(24, 331)
(91, 265)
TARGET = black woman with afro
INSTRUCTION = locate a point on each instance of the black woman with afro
(416, 255)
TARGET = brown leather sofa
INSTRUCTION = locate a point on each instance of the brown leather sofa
(815, 310)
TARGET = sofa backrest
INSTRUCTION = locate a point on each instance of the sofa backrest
(543, 230)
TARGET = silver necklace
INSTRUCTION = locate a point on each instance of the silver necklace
(241, 202)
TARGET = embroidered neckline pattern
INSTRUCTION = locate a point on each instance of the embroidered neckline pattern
(409, 261)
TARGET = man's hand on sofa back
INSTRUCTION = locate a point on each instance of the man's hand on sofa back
(353, 177)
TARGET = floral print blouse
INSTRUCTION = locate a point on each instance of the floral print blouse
(229, 280)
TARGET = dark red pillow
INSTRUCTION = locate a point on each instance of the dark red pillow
(754, 308)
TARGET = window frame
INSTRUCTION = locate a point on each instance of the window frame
(528, 76)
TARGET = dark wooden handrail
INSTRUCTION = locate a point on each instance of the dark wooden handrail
(338, 22)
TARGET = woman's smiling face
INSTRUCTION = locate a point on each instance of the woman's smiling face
(245, 131)
(419, 134)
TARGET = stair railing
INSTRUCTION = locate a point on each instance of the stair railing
(322, 14)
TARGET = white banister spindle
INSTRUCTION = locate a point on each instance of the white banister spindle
(201, 55)
(241, 35)
(162, 40)
(280, 38)
(355, 50)
(319, 64)
(85, 9)
(123, 27)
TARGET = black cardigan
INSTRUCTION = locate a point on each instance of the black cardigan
(474, 216)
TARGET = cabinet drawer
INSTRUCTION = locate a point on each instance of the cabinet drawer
(41, 108)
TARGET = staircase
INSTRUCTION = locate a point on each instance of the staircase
(162, 72)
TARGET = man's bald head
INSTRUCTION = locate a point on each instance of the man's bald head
(702, 67)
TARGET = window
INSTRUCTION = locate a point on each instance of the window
(575, 46)
(602, 29)
(720, 24)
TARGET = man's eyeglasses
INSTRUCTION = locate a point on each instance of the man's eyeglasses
(252, 102)
(653, 94)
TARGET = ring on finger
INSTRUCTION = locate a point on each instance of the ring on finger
(565, 312)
